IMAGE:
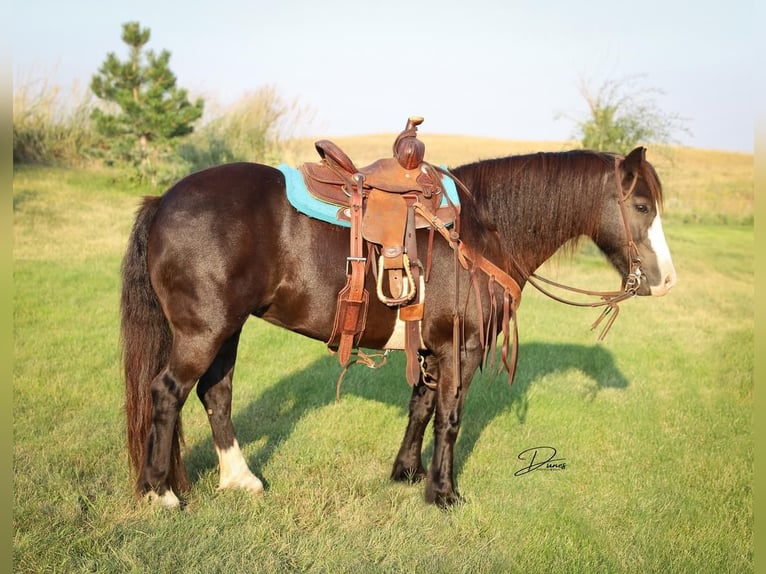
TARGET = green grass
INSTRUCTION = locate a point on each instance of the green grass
(654, 425)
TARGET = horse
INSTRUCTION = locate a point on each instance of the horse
(224, 244)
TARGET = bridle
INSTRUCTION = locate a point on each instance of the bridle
(610, 300)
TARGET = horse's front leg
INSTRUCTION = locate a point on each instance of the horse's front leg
(408, 465)
(440, 487)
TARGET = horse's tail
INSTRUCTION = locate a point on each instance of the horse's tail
(146, 343)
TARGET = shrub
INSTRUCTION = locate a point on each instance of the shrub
(51, 127)
(254, 128)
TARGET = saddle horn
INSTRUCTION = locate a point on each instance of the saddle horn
(409, 151)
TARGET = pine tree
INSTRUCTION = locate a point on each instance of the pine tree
(145, 112)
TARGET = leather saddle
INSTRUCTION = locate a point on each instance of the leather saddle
(385, 202)
(331, 179)
(389, 188)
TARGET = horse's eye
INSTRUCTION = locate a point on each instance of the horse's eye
(642, 208)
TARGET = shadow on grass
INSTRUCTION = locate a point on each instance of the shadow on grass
(273, 416)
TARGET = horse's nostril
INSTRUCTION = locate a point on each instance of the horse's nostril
(670, 280)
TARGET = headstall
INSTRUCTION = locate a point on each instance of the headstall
(610, 300)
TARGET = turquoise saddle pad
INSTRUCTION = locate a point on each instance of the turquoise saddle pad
(300, 198)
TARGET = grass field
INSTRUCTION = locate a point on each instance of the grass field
(654, 424)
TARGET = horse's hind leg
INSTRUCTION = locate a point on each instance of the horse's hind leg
(162, 469)
(408, 465)
(214, 390)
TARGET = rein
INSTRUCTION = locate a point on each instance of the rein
(610, 300)
(496, 276)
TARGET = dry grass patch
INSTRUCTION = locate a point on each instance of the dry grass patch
(449, 150)
(71, 215)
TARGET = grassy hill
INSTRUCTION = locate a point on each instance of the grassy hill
(699, 185)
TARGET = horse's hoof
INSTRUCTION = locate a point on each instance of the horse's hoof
(408, 475)
(167, 500)
(445, 499)
(445, 502)
(248, 482)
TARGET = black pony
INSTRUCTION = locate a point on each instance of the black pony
(224, 243)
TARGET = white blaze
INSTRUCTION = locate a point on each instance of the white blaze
(664, 261)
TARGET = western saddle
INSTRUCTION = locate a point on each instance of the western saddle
(385, 202)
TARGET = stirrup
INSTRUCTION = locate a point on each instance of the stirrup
(394, 301)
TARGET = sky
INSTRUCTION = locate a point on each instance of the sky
(509, 69)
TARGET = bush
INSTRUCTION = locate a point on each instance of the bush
(252, 129)
(623, 114)
(50, 127)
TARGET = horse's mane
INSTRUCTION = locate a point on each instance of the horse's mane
(539, 202)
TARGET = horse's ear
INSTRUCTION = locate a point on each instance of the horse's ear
(634, 160)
